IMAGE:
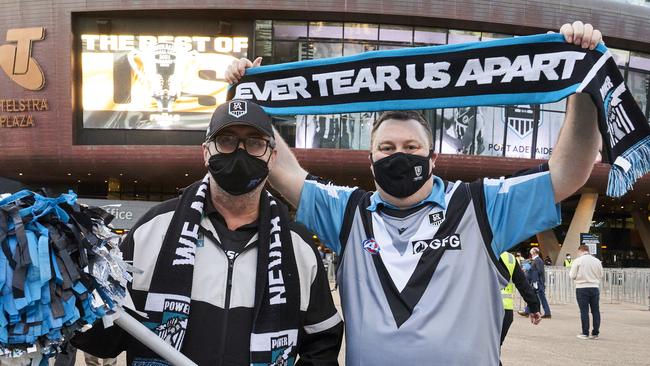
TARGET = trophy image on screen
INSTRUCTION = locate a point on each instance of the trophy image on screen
(161, 68)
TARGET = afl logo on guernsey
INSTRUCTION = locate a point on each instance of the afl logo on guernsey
(371, 246)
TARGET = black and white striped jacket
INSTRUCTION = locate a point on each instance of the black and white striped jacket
(223, 295)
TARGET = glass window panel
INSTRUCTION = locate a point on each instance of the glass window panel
(127, 196)
(474, 136)
(354, 48)
(486, 36)
(306, 50)
(639, 84)
(395, 33)
(640, 61)
(328, 131)
(286, 126)
(459, 130)
(166, 197)
(435, 118)
(430, 36)
(285, 52)
(263, 29)
(355, 130)
(548, 132)
(305, 131)
(519, 121)
(289, 30)
(325, 30)
(460, 36)
(361, 31)
(393, 46)
(348, 124)
(318, 131)
(366, 120)
(431, 116)
(263, 49)
(559, 106)
(621, 57)
(153, 196)
(325, 50)
(489, 137)
(448, 140)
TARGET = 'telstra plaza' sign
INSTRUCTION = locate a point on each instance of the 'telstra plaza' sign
(18, 64)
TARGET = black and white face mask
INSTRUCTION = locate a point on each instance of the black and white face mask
(238, 172)
(400, 174)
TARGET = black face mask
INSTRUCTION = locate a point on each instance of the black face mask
(400, 174)
(237, 173)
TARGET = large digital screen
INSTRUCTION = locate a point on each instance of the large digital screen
(161, 82)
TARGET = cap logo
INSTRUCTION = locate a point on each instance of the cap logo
(237, 109)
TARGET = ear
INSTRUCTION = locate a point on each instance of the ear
(372, 170)
(272, 158)
(206, 153)
(434, 156)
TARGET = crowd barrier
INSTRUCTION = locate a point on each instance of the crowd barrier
(630, 285)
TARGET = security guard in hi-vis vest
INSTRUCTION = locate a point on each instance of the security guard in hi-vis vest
(517, 279)
(508, 293)
(568, 261)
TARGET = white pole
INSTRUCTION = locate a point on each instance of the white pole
(150, 339)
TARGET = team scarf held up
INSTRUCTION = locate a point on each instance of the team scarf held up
(534, 69)
(274, 336)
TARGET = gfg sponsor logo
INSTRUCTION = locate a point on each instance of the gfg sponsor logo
(451, 242)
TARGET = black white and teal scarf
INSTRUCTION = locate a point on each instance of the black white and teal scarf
(524, 70)
(277, 290)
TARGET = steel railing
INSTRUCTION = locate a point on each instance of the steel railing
(631, 285)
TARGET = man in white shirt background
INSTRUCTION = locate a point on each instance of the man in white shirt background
(587, 271)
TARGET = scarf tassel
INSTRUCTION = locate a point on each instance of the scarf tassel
(637, 162)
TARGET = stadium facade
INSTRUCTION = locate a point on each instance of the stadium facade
(111, 98)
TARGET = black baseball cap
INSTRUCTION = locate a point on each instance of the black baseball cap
(239, 112)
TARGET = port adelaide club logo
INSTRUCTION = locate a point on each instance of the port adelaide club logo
(436, 218)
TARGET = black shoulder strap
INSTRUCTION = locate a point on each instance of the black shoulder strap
(480, 208)
(359, 199)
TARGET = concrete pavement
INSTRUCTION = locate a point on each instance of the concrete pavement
(624, 339)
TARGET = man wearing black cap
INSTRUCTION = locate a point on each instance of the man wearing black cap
(227, 250)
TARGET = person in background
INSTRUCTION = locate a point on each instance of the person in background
(548, 261)
(517, 279)
(525, 265)
(537, 280)
(519, 258)
(587, 271)
(568, 261)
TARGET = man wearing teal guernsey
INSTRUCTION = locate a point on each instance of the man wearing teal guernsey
(419, 275)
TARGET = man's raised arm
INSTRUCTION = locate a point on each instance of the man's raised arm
(286, 175)
(577, 146)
